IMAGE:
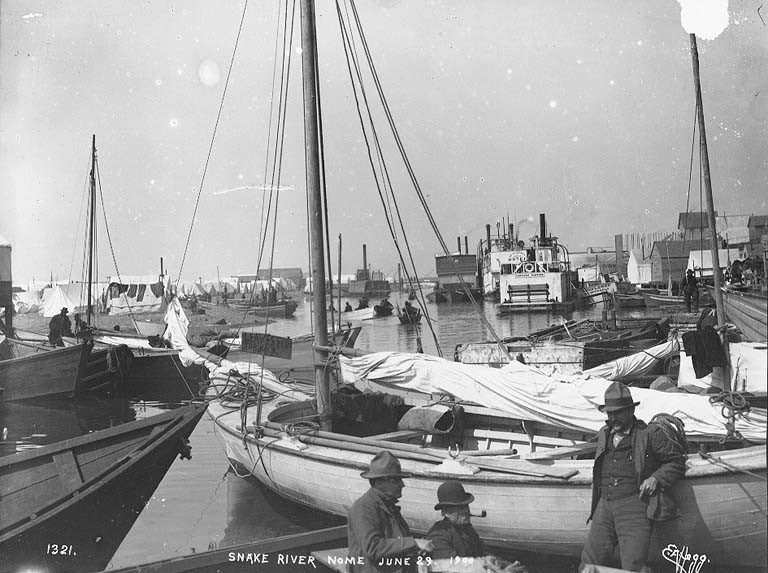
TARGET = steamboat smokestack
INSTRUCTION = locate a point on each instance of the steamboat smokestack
(488, 236)
(365, 259)
(466, 245)
(543, 228)
(458, 240)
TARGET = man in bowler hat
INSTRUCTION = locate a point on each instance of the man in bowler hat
(59, 326)
(379, 538)
(454, 536)
(635, 467)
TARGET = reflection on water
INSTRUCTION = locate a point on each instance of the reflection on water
(203, 503)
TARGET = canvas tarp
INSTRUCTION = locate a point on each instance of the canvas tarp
(749, 368)
(635, 364)
(525, 393)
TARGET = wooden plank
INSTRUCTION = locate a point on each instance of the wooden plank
(563, 452)
(400, 435)
(69, 473)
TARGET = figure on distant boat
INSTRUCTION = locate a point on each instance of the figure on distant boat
(347, 307)
(362, 303)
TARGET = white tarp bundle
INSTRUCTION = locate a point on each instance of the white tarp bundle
(526, 393)
(635, 364)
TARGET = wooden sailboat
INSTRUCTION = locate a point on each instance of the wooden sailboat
(748, 311)
(39, 370)
(305, 450)
(67, 506)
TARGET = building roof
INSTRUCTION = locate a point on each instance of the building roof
(672, 249)
(758, 221)
(693, 220)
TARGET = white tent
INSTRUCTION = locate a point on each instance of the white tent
(639, 270)
(59, 296)
(701, 261)
(136, 295)
(24, 302)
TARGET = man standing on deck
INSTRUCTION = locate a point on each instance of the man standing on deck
(379, 538)
(635, 467)
(58, 327)
(690, 290)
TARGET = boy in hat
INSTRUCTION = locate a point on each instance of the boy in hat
(379, 538)
(635, 466)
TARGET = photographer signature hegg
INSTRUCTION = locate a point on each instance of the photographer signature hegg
(684, 561)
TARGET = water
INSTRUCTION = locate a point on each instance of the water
(202, 503)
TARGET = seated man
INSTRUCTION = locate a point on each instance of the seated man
(454, 536)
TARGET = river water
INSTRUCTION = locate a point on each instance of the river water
(202, 503)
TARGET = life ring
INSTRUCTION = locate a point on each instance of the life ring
(529, 268)
(563, 267)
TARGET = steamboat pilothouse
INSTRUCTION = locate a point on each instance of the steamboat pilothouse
(536, 277)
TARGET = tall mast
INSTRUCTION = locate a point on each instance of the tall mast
(710, 208)
(91, 230)
(312, 159)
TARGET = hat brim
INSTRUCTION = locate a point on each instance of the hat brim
(467, 500)
(604, 408)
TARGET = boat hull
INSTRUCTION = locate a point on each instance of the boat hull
(749, 312)
(85, 493)
(45, 373)
(723, 513)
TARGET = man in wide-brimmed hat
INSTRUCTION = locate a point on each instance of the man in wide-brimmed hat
(379, 538)
(635, 467)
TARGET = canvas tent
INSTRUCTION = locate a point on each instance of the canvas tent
(139, 294)
(701, 261)
(73, 296)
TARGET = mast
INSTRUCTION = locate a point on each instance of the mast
(91, 229)
(710, 210)
(312, 158)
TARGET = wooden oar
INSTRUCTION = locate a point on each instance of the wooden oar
(408, 451)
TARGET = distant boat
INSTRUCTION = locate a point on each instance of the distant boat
(36, 370)
(412, 317)
(69, 505)
(536, 278)
(284, 309)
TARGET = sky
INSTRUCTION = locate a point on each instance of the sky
(583, 110)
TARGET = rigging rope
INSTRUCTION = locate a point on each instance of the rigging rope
(213, 139)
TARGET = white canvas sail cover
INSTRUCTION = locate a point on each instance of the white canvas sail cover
(526, 393)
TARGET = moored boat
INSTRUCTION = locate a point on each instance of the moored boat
(36, 370)
(284, 309)
(67, 506)
(749, 312)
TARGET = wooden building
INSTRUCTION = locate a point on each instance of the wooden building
(669, 259)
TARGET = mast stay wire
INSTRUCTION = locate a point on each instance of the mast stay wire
(414, 180)
(389, 216)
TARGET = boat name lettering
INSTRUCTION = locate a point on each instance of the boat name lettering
(684, 561)
(278, 558)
